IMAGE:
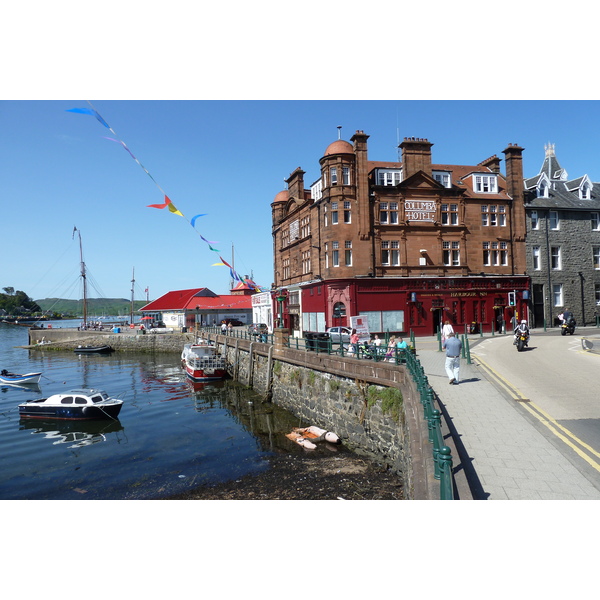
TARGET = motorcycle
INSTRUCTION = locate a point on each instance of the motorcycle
(568, 327)
(521, 341)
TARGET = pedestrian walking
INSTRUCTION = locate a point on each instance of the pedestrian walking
(453, 347)
(447, 329)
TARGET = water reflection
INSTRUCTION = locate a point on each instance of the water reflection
(29, 387)
(76, 433)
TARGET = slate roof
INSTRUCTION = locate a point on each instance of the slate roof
(562, 193)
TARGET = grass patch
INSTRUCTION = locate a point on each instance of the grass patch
(391, 401)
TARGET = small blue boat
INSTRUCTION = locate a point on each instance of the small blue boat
(6, 377)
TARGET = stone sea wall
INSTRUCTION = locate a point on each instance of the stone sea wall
(373, 407)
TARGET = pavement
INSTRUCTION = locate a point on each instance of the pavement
(500, 452)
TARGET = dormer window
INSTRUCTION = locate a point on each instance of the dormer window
(388, 176)
(443, 178)
(542, 190)
(486, 184)
(585, 191)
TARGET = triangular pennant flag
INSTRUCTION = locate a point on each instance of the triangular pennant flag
(167, 202)
(174, 210)
(193, 221)
(225, 262)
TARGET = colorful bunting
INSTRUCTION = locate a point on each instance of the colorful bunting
(167, 203)
(193, 221)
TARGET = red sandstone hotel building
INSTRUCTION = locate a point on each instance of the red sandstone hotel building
(407, 244)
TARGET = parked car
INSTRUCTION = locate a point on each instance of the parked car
(339, 335)
(235, 322)
(257, 328)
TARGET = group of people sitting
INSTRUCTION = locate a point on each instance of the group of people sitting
(373, 347)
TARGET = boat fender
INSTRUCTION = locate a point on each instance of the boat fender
(328, 436)
(321, 435)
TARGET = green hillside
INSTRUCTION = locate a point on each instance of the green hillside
(96, 307)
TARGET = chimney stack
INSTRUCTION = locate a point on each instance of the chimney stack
(416, 156)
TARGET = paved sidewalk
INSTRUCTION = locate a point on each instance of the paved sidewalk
(502, 454)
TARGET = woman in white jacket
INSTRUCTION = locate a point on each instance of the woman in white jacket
(447, 329)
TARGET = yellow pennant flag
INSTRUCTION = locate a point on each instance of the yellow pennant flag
(174, 210)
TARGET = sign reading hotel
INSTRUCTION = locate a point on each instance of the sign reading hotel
(419, 210)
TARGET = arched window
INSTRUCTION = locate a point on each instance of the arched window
(339, 310)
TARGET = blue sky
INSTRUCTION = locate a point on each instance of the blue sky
(227, 159)
(222, 107)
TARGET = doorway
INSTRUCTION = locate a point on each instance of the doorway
(438, 315)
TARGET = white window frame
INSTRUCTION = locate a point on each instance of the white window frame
(333, 175)
(335, 254)
(443, 178)
(347, 211)
(316, 190)
(585, 191)
(485, 184)
(597, 293)
(451, 254)
(557, 294)
(555, 258)
(535, 220)
(449, 214)
(595, 221)
(385, 253)
(387, 177)
(395, 253)
(348, 253)
(596, 257)
(554, 220)
(345, 175)
(334, 213)
(536, 258)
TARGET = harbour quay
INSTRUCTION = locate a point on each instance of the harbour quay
(374, 407)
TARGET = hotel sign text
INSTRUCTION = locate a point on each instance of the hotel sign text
(419, 210)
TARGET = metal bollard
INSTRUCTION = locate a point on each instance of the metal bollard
(445, 462)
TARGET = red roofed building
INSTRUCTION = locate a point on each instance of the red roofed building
(185, 308)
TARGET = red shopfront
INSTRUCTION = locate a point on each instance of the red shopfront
(424, 304)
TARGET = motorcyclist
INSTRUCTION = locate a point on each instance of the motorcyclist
(521, 329)
(568, 317)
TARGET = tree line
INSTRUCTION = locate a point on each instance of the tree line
(17, 302)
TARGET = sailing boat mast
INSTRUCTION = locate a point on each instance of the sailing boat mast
(132, 293)
(83, 277)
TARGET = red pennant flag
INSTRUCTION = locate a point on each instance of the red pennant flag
(167, 202)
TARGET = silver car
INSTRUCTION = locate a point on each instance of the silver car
(339, 335)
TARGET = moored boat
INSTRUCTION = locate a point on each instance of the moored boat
(15, 378)
(94, 349)
(78, 404)
(202, 362)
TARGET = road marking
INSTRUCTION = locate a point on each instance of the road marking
(545, 419)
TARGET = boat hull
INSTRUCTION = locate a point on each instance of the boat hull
(93, 349)
(204, 375)
(21, 379)
(30, 410)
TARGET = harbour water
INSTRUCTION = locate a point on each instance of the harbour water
(171, 436)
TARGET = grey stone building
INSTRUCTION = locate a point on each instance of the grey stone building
(563, 244)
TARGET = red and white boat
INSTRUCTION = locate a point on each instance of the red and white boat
(202, 362)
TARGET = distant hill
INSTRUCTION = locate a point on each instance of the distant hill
(96, 307)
